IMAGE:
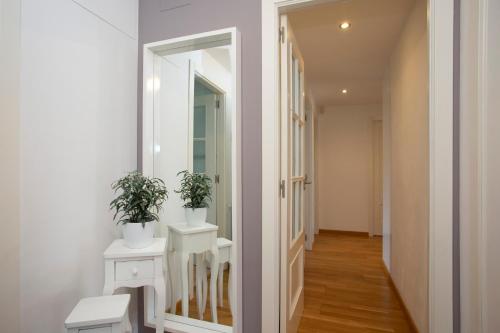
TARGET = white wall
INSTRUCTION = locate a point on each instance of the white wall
(9, 166)
(345, 167)
(479, 165)
(172, 104)
(78, 134)
(409, 150)
(469, 171)
(491, 169)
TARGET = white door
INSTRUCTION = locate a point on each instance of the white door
(292, 181)
(377, 178)
(205, 145)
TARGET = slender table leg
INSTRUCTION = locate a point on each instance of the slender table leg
(204, 281)
(185, 283)
(220, 281)
(214, 272)
(172, 275)
(109, 278)
(230, 288)
(191, 275)
(160, 303)
(128, 325)
(199, 285)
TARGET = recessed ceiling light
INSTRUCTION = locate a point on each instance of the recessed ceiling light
(345, 25)
(344, 91)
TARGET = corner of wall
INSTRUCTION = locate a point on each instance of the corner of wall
(10, 18)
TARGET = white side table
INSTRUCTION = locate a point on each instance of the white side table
(133, 268)
(225, 249)
(183, 240)
(104, 314)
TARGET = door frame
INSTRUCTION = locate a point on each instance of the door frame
(441, 58)
(310, 152)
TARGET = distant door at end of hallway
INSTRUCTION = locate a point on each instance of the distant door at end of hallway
(377, 179)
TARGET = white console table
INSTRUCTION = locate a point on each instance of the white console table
(183, 240)
(133, 268)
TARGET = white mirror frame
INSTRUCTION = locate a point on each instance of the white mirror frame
(231, 37)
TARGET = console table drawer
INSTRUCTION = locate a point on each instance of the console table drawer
(134, 269)
(106, 329)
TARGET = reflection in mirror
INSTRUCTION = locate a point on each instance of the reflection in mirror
(193, 130)
(212, 149)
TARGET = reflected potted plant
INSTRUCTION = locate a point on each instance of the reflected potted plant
(137, 207)
(195, 191)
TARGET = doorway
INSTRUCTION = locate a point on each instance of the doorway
(211, 148)
(348, 88)
(271, 121)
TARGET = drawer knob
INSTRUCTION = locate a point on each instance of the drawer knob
(134, 271)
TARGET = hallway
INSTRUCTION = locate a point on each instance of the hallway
(346, 288)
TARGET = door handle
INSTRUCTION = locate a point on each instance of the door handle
(306, 182)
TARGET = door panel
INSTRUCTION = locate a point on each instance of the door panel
(296, 280)
(292, 175)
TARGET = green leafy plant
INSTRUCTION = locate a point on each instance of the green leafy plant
(195, 190)
(140, 199)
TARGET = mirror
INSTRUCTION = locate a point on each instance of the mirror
(190, 123)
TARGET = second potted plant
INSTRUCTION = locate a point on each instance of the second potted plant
(195, 191)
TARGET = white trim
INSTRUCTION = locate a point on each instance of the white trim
(440, 16)
(482, 98)
(231, 37)
(270, 169)
(441, 163)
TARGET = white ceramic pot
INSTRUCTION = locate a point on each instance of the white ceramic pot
(196, 216)
(138, 237)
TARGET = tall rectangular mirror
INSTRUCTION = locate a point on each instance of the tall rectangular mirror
(191, 112)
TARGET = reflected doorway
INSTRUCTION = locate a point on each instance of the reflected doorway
(212, 148)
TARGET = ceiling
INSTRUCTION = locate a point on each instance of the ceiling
(354, 59)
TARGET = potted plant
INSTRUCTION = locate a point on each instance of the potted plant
(195, 191)
(137, 207)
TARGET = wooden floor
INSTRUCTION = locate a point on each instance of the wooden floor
(346, 289)
(223, 311)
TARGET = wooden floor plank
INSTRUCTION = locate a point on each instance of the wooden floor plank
(346, 289)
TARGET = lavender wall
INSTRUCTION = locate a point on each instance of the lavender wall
(164, 19)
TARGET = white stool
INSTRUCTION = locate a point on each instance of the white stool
(224, 246)
(103, 314)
